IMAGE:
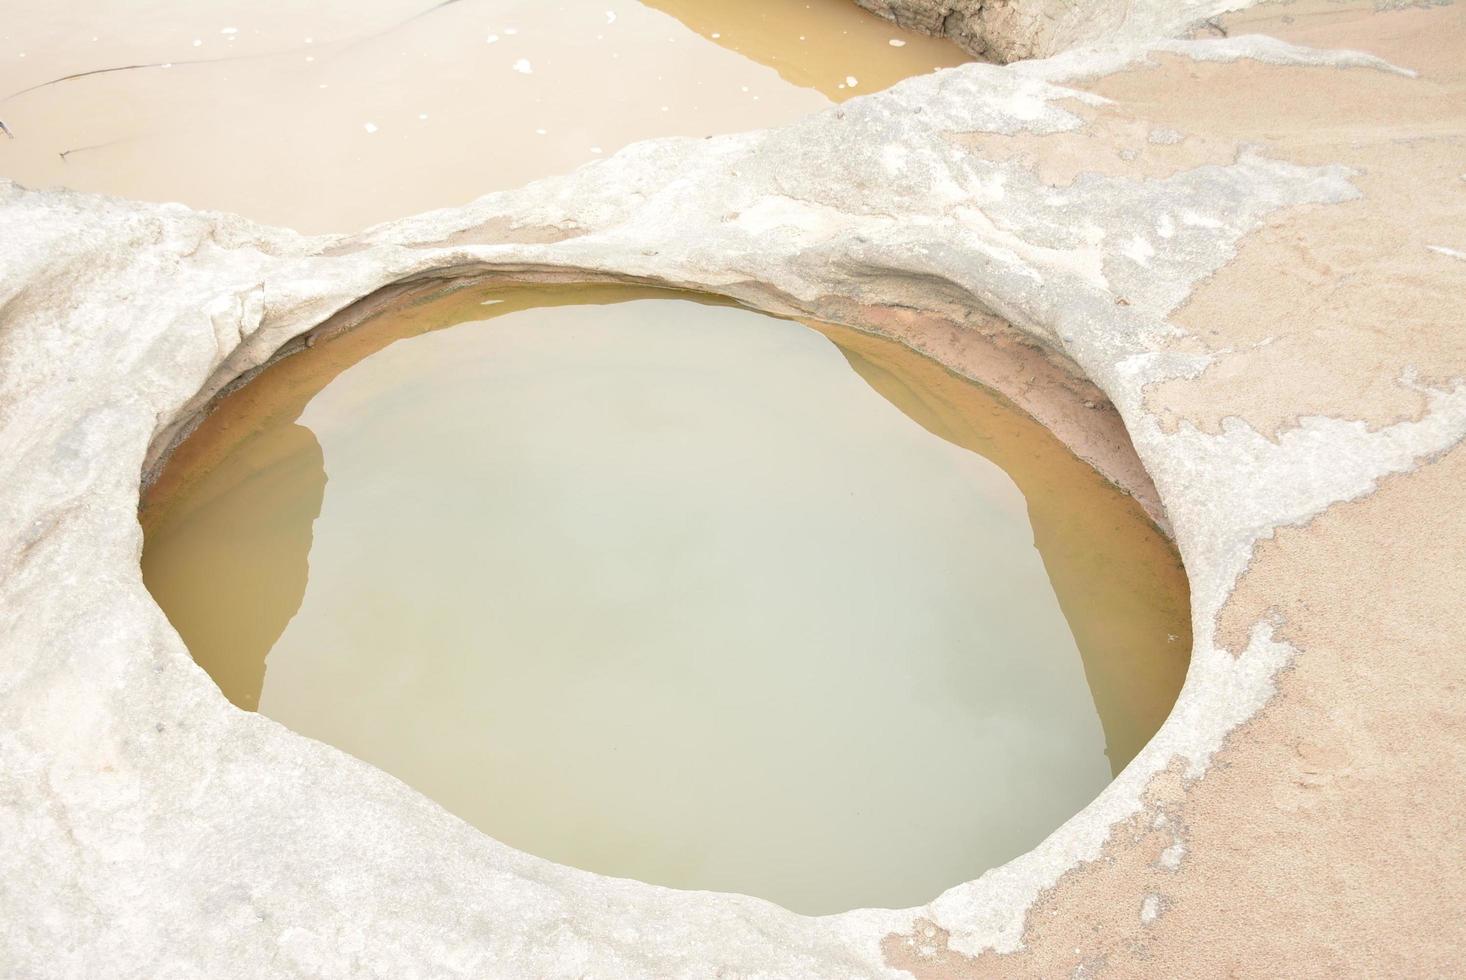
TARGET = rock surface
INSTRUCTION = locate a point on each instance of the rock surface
(1004, 31)
(1254, 249)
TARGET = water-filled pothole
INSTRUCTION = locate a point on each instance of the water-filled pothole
(659, 587)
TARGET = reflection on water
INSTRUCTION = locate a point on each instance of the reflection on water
(256, 572)
(660, 588)
(335, 115)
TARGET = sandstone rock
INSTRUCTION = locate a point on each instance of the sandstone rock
(152, 830)
(1003, 31)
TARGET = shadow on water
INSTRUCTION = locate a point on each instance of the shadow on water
(1117, 579)
(245, 458)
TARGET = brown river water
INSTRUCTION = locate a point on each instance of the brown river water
(340, 114)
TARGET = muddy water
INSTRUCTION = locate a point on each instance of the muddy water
(356, 111)
(663, 588)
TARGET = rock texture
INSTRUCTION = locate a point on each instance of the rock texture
(1270, 303)
(1003, 31)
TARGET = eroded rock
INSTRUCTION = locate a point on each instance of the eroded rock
(1004, 31)
(151, 829)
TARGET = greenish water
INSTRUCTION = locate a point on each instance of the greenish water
(668, 589)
